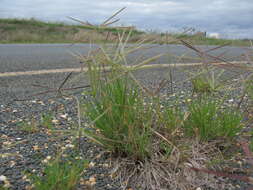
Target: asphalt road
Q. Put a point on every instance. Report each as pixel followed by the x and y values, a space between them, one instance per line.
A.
pixel 30 57
pixel 26 57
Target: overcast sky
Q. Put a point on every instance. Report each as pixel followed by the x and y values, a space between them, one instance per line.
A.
pixel 230 18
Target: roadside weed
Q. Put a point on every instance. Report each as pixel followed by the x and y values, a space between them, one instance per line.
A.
pixel 120 117
pixel 208 121
pixel 249 87
pixel 29 126
pixel 172 118
pixel 3 188
pixel 59 175
pixel 207 81
pixel 46 120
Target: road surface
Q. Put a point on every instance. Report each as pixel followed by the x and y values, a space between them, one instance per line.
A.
pixel 37 57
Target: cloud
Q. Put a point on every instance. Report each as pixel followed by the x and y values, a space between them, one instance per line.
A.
pixel 231 18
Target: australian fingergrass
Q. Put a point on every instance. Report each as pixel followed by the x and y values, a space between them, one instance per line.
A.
pixel 59 175
pixel 208 121
pixel 117 110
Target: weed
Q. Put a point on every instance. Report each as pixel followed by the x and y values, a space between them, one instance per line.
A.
pixel 59 175
pixel 207 82
pixel 172 118
pixel 29 126
pixel 46 120
pixel 249 87
pixel 116 105
pixel 3 188
pixel 118 113
pixel 208 121
pixel 166 149
pixel 201 85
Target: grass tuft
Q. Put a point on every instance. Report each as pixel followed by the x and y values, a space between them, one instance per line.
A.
pixel 208 121
pixel 117 112
pixel 59 175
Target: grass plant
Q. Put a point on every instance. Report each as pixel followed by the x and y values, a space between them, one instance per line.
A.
pixel 208 121
pixel 59 175
pixel 117 110
pixel 46 120
pixel 29 126
pixel 208 81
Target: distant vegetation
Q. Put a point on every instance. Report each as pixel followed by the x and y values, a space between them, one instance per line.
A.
pixel 35 31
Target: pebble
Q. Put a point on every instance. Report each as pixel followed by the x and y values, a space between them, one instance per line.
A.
pixel 3 178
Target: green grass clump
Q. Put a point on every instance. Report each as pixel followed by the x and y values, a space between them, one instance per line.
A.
pixel 118 113
pixel 59 175
pixel 3 188
pixel 46 120
pixel 29 126
pixel 208 121
pixel 249 87
pixel 172 118
pixel 116 107
pixel 201 85
pixel 208 81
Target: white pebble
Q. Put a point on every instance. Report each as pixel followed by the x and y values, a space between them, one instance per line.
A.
pixel 3 178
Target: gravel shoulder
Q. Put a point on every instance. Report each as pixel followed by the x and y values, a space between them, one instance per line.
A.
pixel 23 152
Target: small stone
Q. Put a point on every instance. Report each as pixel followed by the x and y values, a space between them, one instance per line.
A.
pixel 91 164
pixel 231 100
pixel 29 187
pixel 64 116
pixel 92 180
pixel 239 162
pixel 35 148
pixel 41 103
pixel 48 157
pixel 55 121
pixel 7 143
pixel 12 163
pixel 3 178
pixel 69 146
